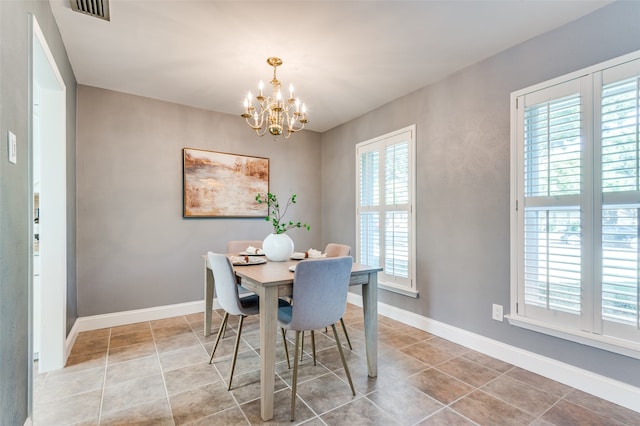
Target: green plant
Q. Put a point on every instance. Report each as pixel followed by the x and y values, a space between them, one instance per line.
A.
pixel 275 216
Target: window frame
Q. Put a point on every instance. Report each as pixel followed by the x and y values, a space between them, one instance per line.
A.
pixel 378 144
pixel 589 331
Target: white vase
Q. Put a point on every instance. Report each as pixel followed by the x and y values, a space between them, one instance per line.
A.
pixel 277 247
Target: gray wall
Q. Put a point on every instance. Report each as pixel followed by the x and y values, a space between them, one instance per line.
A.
pixel 135 250
pixel 463 180
pixel 14 198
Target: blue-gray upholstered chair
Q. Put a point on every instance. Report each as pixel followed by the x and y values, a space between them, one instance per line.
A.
pixel 319 300
pixel 338 250
pixel 229 299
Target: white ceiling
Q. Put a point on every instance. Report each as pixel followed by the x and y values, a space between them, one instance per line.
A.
pixel 344 58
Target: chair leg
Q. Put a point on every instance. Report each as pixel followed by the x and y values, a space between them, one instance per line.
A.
pixel 313 346
pixel 235 351
pixel 286 347
pixel 345 333
pixel 220 331
pixel 344 361
pixel 294 384
pixel 301 347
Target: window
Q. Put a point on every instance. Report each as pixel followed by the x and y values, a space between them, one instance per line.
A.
pixel 385 222
pixel 576 192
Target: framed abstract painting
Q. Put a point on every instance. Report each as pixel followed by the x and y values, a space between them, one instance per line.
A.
pixel 217 184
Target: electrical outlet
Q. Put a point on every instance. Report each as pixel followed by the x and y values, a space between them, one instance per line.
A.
pixel 496 312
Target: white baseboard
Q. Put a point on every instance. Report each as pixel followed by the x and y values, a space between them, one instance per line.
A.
pixel 115 319
pixel 606 388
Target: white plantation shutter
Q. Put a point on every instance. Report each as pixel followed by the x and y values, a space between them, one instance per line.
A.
pixel 552 178
pixel 620 159
pixel 575 223
pixel 384 208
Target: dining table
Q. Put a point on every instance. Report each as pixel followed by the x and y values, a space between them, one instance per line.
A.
pixel 271 280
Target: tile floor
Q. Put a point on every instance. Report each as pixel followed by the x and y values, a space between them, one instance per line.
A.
pixel 157 373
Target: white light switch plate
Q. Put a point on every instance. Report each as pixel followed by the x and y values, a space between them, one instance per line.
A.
pixel 13 147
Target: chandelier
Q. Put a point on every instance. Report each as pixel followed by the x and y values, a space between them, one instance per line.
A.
pixel 274 114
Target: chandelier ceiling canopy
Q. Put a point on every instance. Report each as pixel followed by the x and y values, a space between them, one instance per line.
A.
pixel 274 114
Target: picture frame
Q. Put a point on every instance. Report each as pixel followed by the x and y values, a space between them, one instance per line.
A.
pixel 219 184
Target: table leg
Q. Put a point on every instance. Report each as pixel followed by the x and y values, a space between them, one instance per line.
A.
pixel 370 308
pixel 268 328
pixel 208 298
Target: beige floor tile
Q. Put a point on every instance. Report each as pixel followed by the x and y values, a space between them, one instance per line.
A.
pixel 246 387
pixel 446 417
pixel 177 342
pixel 567 414
pixel 192 376
pixel 168 322
pixel 430 352
pixel 400 364
pixel 358 412
pixel 398 340
pixel 134 392
pixel 246 361
pixel 468 371
pixel 281 410
pixel 306 370
pixel 201 402
pixel 130 328
pixel 171 330
pixel 230 417
pixel 487 361
pixel 523 396
pixel 484 409
pixel 537 381
pixel 154 413
pixel 330 358
pixel 60 386
pixel 325 393
pixel 403 403
pixel 90 346
pixel 131 352
pixel 84 407
pixel 132 338
pixel 603 407
pixel 440 386
pixel 183 357
pixel 134 369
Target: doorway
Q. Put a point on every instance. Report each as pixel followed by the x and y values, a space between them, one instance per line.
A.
pixel 48 175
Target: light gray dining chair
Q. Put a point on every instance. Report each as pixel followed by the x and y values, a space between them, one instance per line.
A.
pixel 229 299
pixel 338 250
pixel 331 250
pixel 236 246
pixel 320 299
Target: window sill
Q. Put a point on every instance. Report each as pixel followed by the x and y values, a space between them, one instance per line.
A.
pixel 399 290
pixel 597 341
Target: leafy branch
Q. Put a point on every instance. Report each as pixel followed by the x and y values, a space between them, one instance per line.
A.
pixel 275 216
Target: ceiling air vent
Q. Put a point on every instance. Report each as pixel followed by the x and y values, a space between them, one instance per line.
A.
pixel 97 8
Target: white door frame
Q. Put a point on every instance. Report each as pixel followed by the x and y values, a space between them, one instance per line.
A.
pixel 47 87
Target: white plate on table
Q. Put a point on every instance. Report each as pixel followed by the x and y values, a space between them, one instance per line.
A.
pixel 258 253
pixel 302 256
pixel 247 261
